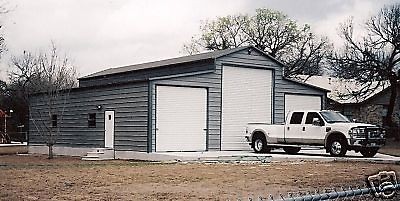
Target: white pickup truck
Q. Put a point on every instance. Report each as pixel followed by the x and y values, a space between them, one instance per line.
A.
pixel 330 129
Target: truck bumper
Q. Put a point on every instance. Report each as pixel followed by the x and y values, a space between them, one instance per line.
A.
pixel 358 144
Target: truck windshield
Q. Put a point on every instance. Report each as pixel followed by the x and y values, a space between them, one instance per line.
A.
pixel 334 117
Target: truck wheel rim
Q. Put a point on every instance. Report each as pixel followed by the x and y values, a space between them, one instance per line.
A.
pixel 259 145
pixel 336 148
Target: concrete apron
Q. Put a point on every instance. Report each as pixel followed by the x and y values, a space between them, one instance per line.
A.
pixel 276 155
pixel 209 156
pixel 221 156
pixel 13 148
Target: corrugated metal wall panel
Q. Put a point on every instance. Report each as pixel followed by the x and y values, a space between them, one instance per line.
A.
pixel 214 104
pixel 145 74
pixel 136 96
pixel 130 103
pixel 283 87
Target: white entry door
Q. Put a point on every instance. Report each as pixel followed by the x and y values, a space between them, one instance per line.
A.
pixel 246 98
pixel 181 118
pixel 109 129
pixel 302 102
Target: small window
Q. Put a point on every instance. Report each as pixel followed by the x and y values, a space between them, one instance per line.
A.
pixel 297 117
pixel 92 120
pixel 311 116
pixel 54 120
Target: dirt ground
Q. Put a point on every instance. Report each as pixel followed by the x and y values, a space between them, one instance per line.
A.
pixel 33 177
pixel 391 147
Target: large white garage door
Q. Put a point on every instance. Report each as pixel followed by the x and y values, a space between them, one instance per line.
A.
pixel 181 118
pixel 246 97
pixel 302 102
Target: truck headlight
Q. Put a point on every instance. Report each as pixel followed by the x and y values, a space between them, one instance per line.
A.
pixel 351 133
pixel 357 132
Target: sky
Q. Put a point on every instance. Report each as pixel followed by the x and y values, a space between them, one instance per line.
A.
pixel 100 34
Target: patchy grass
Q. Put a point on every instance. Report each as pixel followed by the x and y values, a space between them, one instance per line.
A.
pixel 66 178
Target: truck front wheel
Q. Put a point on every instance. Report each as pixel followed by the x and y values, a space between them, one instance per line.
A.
pixel 337 147
pixel 369 152
pixel 260 144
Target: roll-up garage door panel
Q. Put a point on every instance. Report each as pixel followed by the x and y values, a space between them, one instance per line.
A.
pixel 302 102
pixel 181 118
pixel 246 97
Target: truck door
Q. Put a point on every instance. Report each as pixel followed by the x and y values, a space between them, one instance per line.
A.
pixel 314 134
pixel 294 128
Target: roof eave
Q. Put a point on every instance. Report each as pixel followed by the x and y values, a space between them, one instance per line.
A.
pixel 119 73
pixel 305 84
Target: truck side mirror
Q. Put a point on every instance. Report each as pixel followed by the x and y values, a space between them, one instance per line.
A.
pixel 316 122
pixel 355 120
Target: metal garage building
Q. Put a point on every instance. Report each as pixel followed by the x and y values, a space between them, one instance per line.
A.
pixel 193 103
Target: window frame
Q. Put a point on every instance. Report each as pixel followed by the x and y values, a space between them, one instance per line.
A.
pixel 293 115
pixel 92 120
pixel 318 116
pixel 54 121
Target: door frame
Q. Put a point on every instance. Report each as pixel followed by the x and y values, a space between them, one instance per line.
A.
pixel 105 131
pixel 155 130
pixel 300 94
pixel 245 66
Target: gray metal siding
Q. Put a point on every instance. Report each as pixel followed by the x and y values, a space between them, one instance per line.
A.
pixel 281 86
pixel 288 87
pixel 130 103
pixel 146 74
pixel 212 82
pixel 254 60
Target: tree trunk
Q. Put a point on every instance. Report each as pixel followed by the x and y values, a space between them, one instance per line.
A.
pixel 50 151
pixel 390 111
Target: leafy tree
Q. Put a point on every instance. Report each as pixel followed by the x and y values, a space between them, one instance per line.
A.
pixel 272 32
pixel 373 57
pixel 50 75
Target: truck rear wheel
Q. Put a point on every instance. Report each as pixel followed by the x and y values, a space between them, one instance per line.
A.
pixel 292 150
pixel 260 144
pixel 371 152
pixel 337 147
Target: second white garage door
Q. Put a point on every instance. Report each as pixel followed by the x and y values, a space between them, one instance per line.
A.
pixel 181 118
pixel 246 97
pixel 302 102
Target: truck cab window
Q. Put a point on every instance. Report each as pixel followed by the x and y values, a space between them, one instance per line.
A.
pixel 297 117
pixel 311 116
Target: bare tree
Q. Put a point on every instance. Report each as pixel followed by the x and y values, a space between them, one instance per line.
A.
pixel 307 56
pixel 51 77
pixel 270 31
pixel 373 58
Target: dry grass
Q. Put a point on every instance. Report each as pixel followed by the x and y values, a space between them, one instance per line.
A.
pixel 66 178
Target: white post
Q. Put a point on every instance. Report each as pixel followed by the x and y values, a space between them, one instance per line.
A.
pixel 5 120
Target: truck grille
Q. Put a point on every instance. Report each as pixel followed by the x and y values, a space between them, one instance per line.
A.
pixel 360 135
pixel 373 132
